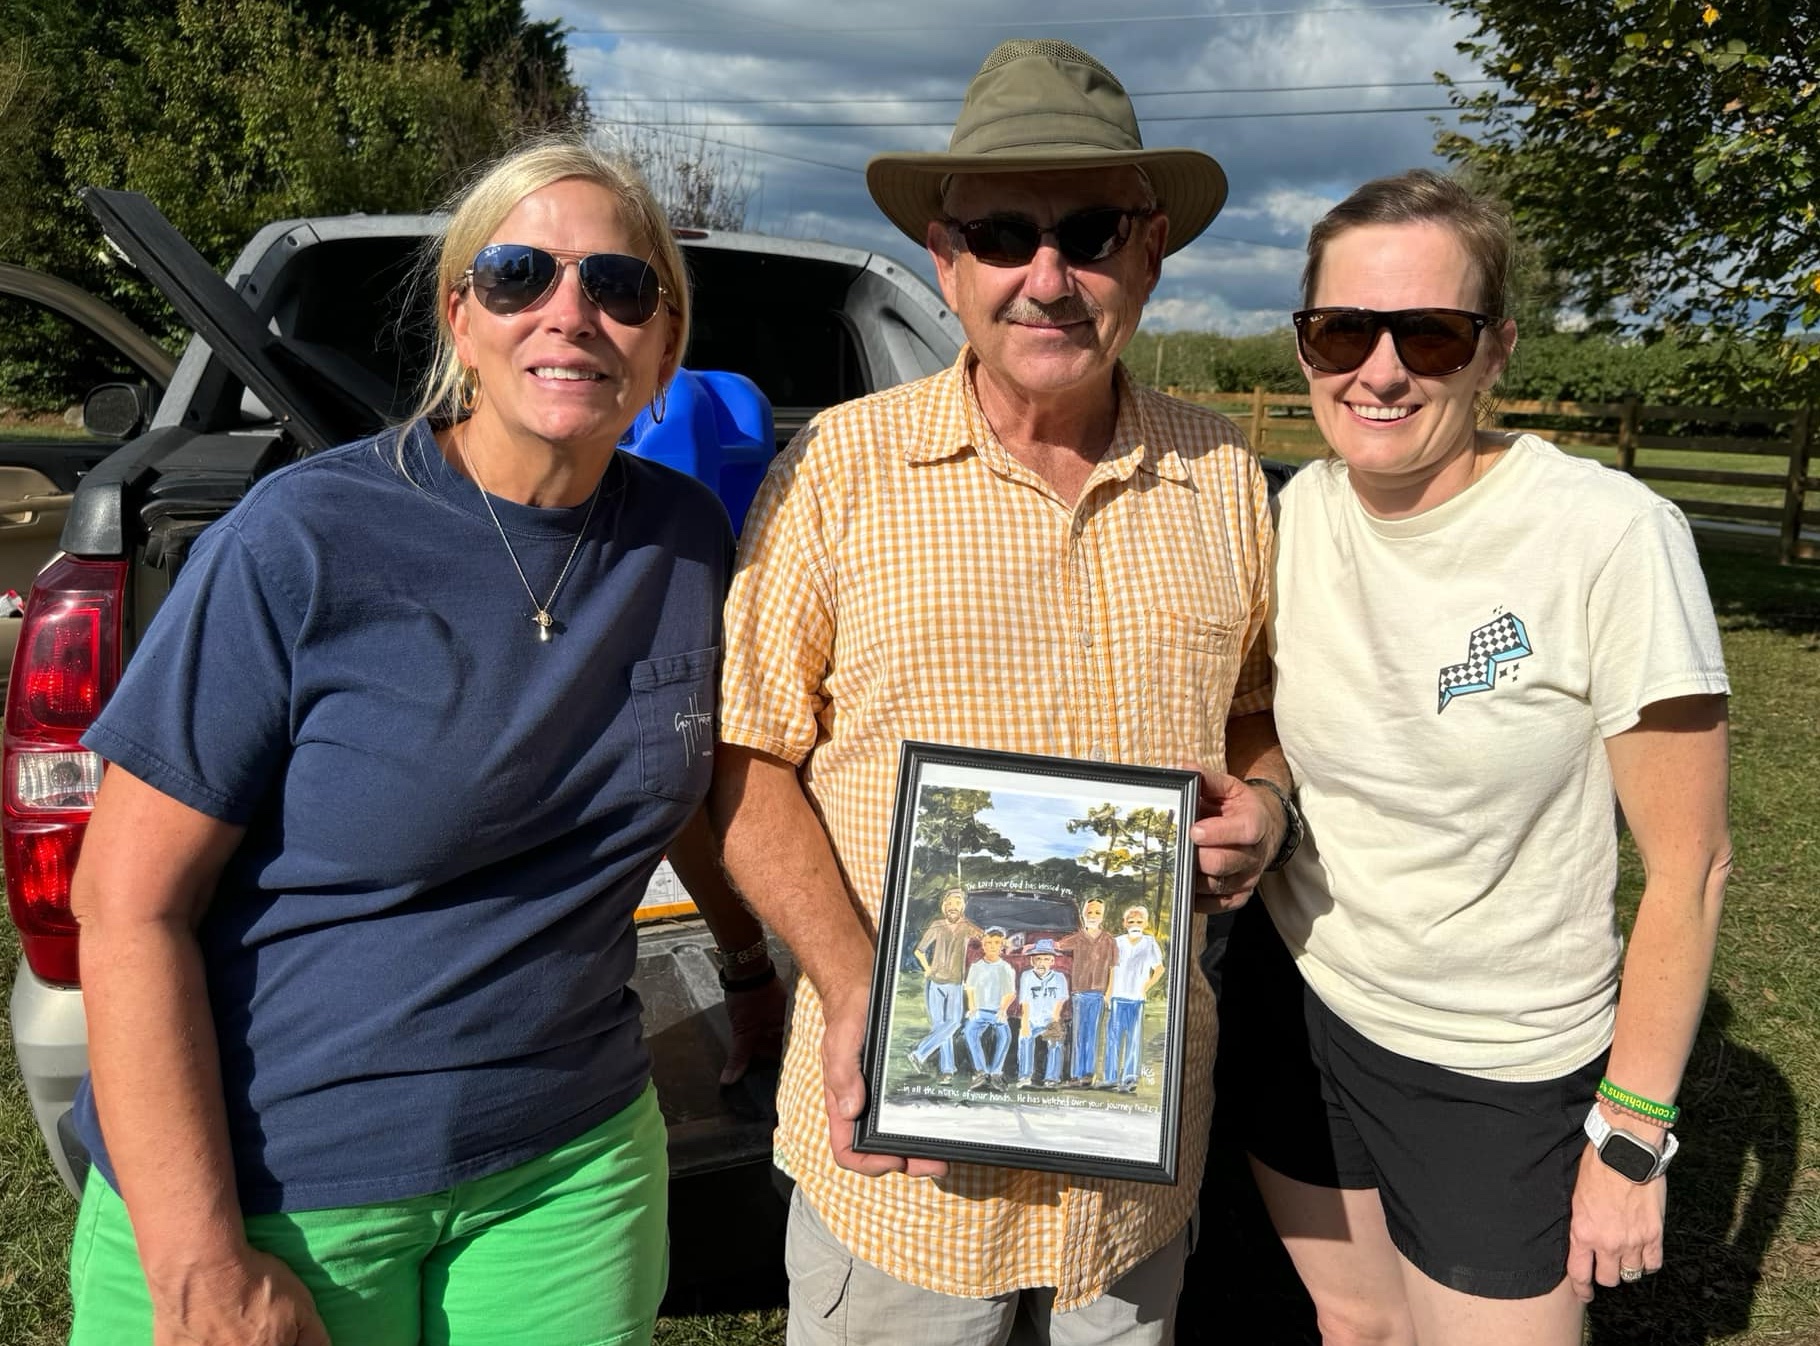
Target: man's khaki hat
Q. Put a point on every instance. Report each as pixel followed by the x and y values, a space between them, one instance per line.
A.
pixel 1039 105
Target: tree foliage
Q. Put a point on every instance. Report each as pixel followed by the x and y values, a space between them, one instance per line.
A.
pixel 1550 366
pixel 948 823
pixel 1662 153
pixel 230 114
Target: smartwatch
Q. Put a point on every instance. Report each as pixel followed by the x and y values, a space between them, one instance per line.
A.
pixel 1292 823
pixel 1636 1159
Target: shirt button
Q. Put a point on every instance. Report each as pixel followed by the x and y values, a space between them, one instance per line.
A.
pixel 1099 754
pixel 1086 640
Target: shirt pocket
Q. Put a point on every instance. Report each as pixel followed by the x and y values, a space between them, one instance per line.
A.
pixel 1191 665
pixel 675 700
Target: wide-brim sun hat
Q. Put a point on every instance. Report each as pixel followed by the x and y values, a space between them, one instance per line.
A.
pixel 1038 105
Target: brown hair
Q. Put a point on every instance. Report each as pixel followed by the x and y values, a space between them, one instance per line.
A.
pixel 1423 196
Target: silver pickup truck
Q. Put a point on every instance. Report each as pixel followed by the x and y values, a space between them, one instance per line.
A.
pixel 302 346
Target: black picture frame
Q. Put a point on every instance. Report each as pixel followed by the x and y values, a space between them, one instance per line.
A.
pixel 943 1087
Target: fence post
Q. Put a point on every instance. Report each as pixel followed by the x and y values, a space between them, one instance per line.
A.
pixel 1627 436
pixel 1156 380
pixel 1796 498
pixel 1257 418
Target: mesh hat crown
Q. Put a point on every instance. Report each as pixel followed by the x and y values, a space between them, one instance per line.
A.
pixel 1038 105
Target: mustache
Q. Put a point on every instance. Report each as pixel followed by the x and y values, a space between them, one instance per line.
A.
pixel 1068 308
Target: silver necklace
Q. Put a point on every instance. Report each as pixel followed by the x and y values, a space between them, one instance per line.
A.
pixel 540 611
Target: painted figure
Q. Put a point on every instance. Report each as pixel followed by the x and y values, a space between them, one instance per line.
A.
pixel 991 986
pixel 1042 992
pixel 942 954
pixel 1140 963
pixel 1092 950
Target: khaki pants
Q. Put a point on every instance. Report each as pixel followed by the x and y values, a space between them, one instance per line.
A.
pixel 838 1300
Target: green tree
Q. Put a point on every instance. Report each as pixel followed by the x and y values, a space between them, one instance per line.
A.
pixel 232 113
pixel 1106 823
pixel 1663 155
pixel 947 822
pixel 1151 834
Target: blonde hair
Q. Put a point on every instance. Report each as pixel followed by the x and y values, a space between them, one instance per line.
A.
pixel 475 212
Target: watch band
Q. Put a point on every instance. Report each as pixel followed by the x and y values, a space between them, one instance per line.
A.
pixel 737 963
pixel 1292 822
pixel 1601 1133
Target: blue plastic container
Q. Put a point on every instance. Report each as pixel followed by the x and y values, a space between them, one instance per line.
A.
pixel 716 427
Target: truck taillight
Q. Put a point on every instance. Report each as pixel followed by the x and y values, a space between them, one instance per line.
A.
pixel 65 669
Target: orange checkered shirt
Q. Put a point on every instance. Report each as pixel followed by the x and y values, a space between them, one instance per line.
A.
pixel 903 576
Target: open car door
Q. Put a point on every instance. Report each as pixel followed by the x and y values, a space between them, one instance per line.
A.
pixel 314 405
pixel 67 340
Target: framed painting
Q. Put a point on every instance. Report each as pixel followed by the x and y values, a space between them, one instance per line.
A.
pixel 1030 994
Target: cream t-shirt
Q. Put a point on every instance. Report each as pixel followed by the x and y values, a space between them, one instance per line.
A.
pixel 1444 687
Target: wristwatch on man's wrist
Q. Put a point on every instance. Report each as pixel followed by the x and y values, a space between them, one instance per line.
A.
pixel 1292 822
pixel 1629 1155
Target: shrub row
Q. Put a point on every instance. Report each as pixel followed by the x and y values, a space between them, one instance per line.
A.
pixel 1548 366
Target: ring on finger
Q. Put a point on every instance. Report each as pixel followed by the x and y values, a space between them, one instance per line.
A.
pixel 1628 1274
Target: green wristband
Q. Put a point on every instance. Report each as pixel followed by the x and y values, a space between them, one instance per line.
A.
pixel 1666 1113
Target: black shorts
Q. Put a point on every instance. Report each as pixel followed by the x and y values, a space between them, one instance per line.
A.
pixel 1476 1175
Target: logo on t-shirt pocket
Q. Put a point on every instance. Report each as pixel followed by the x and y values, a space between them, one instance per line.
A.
pixel 674 697
pixel 1492 650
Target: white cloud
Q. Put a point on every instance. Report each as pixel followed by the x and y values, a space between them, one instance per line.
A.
pixel 678 60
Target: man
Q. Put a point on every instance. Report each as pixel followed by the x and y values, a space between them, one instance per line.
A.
pixel 1140 963
pixel 991 987
pixel 1093 955
pixel 942 955
pixel 1041 994
pixel 1024 552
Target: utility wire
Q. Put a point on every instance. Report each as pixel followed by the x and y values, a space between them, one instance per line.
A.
pixel 729 144
pixel 1119 21
pixel 1148 121
pixel 955 98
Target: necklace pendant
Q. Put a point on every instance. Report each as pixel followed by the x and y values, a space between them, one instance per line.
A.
pixel 544 622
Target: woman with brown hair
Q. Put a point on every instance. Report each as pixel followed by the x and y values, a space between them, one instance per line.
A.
pixel 1458 1122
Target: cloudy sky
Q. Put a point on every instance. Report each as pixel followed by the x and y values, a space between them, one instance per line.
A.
pixel 865 76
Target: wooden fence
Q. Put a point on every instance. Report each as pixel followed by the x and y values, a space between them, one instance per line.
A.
pixel 1784 433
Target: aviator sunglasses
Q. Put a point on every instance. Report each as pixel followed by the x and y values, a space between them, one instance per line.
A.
pixel 1430 342
pixel 1083 237
pixel 511 277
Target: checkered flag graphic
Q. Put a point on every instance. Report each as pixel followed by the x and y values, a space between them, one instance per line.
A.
pixel 1500 641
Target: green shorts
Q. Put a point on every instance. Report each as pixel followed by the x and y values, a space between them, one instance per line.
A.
pixel 569 1249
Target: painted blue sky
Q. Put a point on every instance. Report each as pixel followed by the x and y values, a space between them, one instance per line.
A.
pixel 1037 820
pixel 1300 101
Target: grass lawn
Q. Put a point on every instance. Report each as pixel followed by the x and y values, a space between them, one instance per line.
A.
pixel 1744 1220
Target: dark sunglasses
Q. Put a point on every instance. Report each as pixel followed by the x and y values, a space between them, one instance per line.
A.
pixel 511 277
pixel 1083 237
pixel 1430 342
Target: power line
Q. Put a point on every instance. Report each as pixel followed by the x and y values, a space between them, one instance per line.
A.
pixel 1119 21
pixel 955 98
pixel 729 144
pixel 1149 121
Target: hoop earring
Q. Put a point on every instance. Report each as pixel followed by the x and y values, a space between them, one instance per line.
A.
pixel 660 403
pixel 467 389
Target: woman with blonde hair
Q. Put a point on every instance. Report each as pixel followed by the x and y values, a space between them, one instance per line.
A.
pixel 389 773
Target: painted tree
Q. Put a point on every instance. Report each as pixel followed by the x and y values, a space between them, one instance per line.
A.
pixel 948 823
pixel 1108 824
pixel 1663 155
pixel 1151 833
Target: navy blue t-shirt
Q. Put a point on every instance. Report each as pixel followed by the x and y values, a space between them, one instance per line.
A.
pixel 418 958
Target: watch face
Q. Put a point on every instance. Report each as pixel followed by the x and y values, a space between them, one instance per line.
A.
pixel 1631 1157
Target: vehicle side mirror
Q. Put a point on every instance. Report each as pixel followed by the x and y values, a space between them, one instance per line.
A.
pixel 116 410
